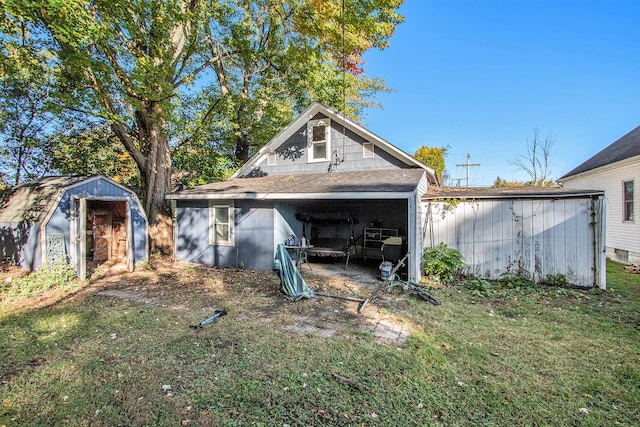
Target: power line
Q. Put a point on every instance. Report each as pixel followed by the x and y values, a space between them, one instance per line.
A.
pixel 468 166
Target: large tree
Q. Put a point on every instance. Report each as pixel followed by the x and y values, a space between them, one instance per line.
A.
pixel 240 68
pixel 433 157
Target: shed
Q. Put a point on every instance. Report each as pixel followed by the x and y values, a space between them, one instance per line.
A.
pixel 78 219
pixel 544 231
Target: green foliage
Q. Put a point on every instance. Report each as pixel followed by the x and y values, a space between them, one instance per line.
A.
pixel 93 150
pixel 432 157
pixel 480 287
pixel 558 280
pixel 444 262
pixel 516 279
pixel 59 275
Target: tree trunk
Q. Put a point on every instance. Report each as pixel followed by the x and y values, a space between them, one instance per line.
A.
pixel 156 182
pixel 242 149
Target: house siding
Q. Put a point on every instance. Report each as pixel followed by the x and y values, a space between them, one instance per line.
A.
pixel 620 235
pixel 253 244
pixel 542 236
pixel 291 155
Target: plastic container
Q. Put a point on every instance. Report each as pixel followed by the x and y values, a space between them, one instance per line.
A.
pixel 385 270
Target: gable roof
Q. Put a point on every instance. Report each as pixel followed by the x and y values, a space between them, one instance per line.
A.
pixel 311 112
pixel 624 148
pixel 387 183
pixel 32 201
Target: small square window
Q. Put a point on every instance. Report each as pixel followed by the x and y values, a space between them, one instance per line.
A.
pixel 271 158
pixel 368 150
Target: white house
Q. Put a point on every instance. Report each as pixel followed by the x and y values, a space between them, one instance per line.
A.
pixel 616 171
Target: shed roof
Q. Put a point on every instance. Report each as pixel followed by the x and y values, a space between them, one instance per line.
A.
pixel 525 192
pixel 624 148
pixel 385 183
pixel 31 202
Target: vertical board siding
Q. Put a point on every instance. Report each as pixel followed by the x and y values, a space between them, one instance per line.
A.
pixel 97 189
pixel 542 237
pixel 253 246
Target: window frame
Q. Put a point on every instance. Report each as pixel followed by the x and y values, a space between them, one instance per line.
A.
pixel 368 150
pixel 272 158
pixel 213 236
pixel 311 143
pixel 628 214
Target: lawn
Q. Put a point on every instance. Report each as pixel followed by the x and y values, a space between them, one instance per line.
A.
pixel 119 351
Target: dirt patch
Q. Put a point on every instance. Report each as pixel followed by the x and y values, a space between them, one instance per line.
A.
pixel 246 294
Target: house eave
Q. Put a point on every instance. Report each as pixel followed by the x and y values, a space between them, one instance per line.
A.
pixel 601 169
pixel 296 196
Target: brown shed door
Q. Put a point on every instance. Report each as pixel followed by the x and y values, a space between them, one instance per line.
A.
pixel 102 236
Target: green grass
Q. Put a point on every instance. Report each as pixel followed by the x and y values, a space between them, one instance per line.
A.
pixel 532 356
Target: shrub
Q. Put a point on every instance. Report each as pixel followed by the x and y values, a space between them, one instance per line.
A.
pixel 59 275
pixel 444 262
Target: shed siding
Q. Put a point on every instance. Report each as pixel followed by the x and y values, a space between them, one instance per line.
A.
pixel 253 246
pixel 620 234
pixel 100 189
pixel 543 237
pixel 291 155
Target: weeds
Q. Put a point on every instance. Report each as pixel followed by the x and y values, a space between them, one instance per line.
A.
pixel 444 262
pixel 59 275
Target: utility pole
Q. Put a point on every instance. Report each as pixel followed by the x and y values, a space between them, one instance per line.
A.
pixel 468 166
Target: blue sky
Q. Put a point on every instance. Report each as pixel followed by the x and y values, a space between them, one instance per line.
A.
pixel 479 76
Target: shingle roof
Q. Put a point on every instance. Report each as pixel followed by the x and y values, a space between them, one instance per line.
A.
pixel 505 193
pixel 31 202
pixel 624 148
pixel 386 181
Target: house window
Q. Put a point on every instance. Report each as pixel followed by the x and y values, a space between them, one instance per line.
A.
pixel 627 200
pixel 622 255
pixel 271 158
pixel 319 135
pixel 367 150
pixel 221 224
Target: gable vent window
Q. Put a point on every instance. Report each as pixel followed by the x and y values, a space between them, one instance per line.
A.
pixel 627 200
pixel 319 135
pixel 271 158
pixel 221 224
pixel 367 150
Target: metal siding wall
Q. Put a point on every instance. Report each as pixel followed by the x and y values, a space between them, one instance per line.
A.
pixel 544 237
pixel 192 239
pixel 254 235
pixel 59 221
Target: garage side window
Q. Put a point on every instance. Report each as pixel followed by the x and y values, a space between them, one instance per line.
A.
pixel 221 224
pixel 627 200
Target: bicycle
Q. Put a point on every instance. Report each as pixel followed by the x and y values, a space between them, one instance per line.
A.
pixel 415 288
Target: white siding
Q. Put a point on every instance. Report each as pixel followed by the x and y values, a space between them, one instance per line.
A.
pixel 543 237
pixel 619 234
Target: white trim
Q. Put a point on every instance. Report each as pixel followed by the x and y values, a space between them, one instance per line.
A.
pixel 296 196
pixel 603 168
pixel 311 112
pixel 625 201
pixel 272 158
pixel 368 150
pixel 230 241
pixel 311 124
